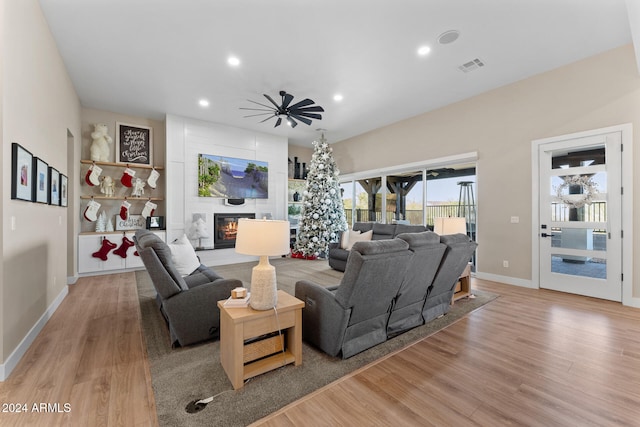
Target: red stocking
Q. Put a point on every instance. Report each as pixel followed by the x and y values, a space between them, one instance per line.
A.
pixel 122 250
pixel 104 250
pixel 127 177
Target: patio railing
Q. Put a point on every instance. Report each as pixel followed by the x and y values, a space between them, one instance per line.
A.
pixel 594 212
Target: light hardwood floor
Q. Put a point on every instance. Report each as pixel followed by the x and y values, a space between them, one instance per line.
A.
pixel 532 357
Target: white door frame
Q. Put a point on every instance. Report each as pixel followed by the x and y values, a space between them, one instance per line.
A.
pixel 627 205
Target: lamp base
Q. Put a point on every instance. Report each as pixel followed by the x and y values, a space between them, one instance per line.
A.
pixel 264 289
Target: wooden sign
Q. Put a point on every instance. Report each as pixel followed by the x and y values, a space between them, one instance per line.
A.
pixel 134 144
pixel 133 222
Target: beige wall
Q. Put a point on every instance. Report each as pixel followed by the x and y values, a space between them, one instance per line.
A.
pixel 302 153
pixel 594 93
pixel 40 107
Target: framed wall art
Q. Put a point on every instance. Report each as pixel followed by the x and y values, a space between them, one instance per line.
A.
pixel 134 144
pixel 21 173
pixel 40 181
pixel 64 197
pixel 54 186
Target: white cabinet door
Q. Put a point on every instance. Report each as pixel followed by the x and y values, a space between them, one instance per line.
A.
pixel 90 244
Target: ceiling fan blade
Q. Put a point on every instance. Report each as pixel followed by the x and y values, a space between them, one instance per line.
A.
pixel 259 114
pixel 292 122
pixel 272 101
pixel 286 100
pixel 262 105
pixel 302 119
pixel 278 122
pixel 302 103
pixel 310 115
pixel 315 108
pixel 257 109
pixel 268 118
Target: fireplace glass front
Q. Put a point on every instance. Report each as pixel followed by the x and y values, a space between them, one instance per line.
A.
pixel 226 228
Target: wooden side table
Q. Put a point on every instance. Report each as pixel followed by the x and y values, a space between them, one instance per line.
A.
pixel 237 325
pixel 463 286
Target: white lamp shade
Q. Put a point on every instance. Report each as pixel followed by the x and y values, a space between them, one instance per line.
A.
pixel 262 237
pixel 449 225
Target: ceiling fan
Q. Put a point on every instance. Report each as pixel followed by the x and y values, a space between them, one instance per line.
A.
pixel 302 111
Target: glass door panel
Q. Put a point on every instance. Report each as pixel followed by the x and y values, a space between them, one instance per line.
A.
pixel 577 190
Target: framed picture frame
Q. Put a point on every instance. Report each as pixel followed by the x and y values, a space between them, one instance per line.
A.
pixel 40 181
pixel 64 191
pixel 155 223
pixel 21 173
pixel 54 186
pixel 134 144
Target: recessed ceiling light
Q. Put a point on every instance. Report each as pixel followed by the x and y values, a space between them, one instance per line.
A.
pixel 338 97
pixel 424 50
pixel 203 103
pixel 448 37
pixel 233 61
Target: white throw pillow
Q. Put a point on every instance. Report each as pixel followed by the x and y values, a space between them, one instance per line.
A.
pixel 360 237
pixel 184 256
pixel 344 241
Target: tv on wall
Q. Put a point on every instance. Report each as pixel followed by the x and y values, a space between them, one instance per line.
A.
pixel 232 178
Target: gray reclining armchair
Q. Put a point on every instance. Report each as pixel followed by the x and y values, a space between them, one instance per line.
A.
pixel 456 257
pixel 352 317
pixel 188 304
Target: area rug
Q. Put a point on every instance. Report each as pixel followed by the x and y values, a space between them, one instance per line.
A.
pixel 182 375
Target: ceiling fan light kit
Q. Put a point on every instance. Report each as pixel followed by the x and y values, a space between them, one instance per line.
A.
pixel 302 111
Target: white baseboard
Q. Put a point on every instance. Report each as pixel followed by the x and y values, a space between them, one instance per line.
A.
pixel 524 283
pixel 12 361
pixel 631 302
pixel 71 280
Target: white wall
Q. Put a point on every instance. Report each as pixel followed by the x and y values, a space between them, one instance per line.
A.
pixel 186 138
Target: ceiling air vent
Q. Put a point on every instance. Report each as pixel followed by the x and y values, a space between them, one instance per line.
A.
pixel 471 65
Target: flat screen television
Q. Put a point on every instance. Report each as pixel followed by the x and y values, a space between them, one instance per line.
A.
pixel 232 178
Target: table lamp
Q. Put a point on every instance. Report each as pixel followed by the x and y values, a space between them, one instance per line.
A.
pixel 263 238
pixel 450 225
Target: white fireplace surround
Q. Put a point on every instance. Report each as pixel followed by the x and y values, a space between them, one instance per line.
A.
pixel 186 138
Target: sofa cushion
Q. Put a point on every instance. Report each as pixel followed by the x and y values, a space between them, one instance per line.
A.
pixel 383 231
pixel 408 228
pixel 150 240
pixel 363 226
pixel 201 276
pixel 380 246
pixel 419 240
pixel 184 256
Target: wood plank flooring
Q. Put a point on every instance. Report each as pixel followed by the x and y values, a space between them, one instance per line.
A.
pixel 90 357
pixel 531 358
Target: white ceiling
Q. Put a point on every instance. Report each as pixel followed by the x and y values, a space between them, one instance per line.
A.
pixel 154 57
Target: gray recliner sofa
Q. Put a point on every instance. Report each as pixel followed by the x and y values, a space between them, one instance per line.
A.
pixel 404 282
pixel 188 304
pixel 352 317
pixel 338 256
pixel 427 255
pixel 458 252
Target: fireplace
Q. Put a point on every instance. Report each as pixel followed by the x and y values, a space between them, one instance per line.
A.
pixel 225 227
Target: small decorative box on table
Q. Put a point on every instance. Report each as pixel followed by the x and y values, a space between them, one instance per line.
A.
pixel 241 356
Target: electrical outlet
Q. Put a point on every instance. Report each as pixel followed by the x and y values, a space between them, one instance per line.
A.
pixel 515 219
pixel 505 263
pixel 13 223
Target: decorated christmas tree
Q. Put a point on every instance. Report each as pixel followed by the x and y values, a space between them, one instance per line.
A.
pixel 322 215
